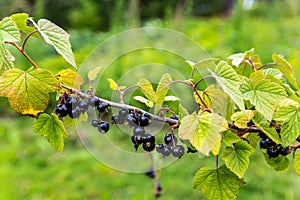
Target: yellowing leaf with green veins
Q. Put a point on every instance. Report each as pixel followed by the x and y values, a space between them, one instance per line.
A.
pixel 290 129
pixel 27 91
pixel 279 164
pixel 6 59
pixel 203 131
pixel 21 21
pixel 261 123
pixel 230 82
pixel 241 118
pixel 147 102
pixel 56 37
pixel 263 95
pixel 162 88
pixel 221 183
pixel 50 127
pixel 253 139
pixel 236 157
pixel 9 31
pixel 92 74
pixel 70 78
pixel 216 149
pixel 147 89
pixel 230 137
pixel 286 69
pixel 171 98
pixel 297 163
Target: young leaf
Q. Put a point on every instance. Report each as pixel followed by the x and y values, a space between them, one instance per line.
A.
pixel 163 88
pixel 236 157
pixel 70 78
pixel 221 183
pixel 202 131
pixel 21 21
pixel 263 95
pixel 241 118
pixel 27 91
pixel 297 163
pixel 147 89
pixel 230 82
pixel 290 129
pixel 206 63
pixel 279 164
pixel 112 84
pixel 236 59
pixel 6 59
pixel 261 123
pixel 148 103
pixel 92 75
pixel 56 37
pixel 9 31
pixel 286 69
pixel 50 127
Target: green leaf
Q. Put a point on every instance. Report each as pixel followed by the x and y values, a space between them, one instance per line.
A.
pixel 230 82
pixel 50 127
pixel 271 71
pixel 182 111
pixel 229 137
pixel 92 74
pixel 21 21
pixel 163 88
pixel 56 37
pixel 202 130
pixel 221 183
pixel 290 129
pixel 261 123
pixel 297 163
pixel 9 31
pixel 6 59
pixel 242 118
pixel 279 164
pixel 27 91
pixel 147 89
pixel 263 95
pixel 206 63
pixel 147 102
pixel 253 139
pixel 236 59
pixel 70 78
pixel 171 98
pixel 236 157
pixel 286 69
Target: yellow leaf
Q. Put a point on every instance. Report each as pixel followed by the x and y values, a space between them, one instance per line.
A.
pixel 70 78
pixel 112 84
pixel 94 73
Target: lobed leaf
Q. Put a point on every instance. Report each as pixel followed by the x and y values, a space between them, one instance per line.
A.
pixel 27 91
pixel 279 164
pixel 6 59
pixel 21 21
pixel 9 31
pixel 242 118
pixel 236 157
pixel 50 127
pixel 221 183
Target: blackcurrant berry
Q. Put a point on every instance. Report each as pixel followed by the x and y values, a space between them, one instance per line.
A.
pixel 62 110
pixel 169 139
pixel 145 119
pixel 262 144
pixel 136 146
pixel 148 146
pixel 94 101
pixel 136 139
pixel 148 138
pixel 75 113
pixel 284 151
pixel 131 120
pixel 102 107
pixel 159 187
pixel 166 151
pixel 71 102
pixel 83 106
pixel 150 173
pixel 138 130
pixel 178 151
pixel 262 135
pixel 123 113
pixel 95 122
pixel 103 127
pixel 270 143
pixel 159 148
pixel 273 153
pixel 175 117
pixel 116 119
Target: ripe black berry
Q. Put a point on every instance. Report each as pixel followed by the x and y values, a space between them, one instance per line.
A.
pixel 62 110
pixel 136 146
pixel 102 107
pixel 148 146
pixel 136 139
pixel 123 113
pixel 262 144
pixel 71 102
pixel 131 120
pixel 270 143
pixel 116 119
pixel 273 153
pixel 166 151
pixel 262 135
pixel 95 122
pixel 94 101
pixel 145 119
pixel 169 139
pixel 175 117
pixel 159 148
pixel 284 151
pixel 148 138
pixel 83 106
pixel 103 127
pixel 75 113
pixel 178 151
pixel 138 130
pixel 150 173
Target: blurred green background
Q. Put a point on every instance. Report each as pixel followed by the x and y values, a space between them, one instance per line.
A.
pixel 31 169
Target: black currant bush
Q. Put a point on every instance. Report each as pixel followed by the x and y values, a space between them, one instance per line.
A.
pixel 248 104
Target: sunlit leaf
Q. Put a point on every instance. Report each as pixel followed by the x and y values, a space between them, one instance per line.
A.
pixel 297 163
pixel 112 84
pixel 21 21
pixel 92 74
pixel 147 89
pixel 171 98
pixel 279 164
pixel 221 183
pixel 163 88
pixel 50 127
pixel 144 100
pixel 206 63
pixel 229 137
pixel 6 59
pixel 241 118
pixel 9 31
pixel 70 78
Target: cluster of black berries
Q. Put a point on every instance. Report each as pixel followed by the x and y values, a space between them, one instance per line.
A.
pixel 138 121
pixel 170 146
pixel 273 149
pixel 71 106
